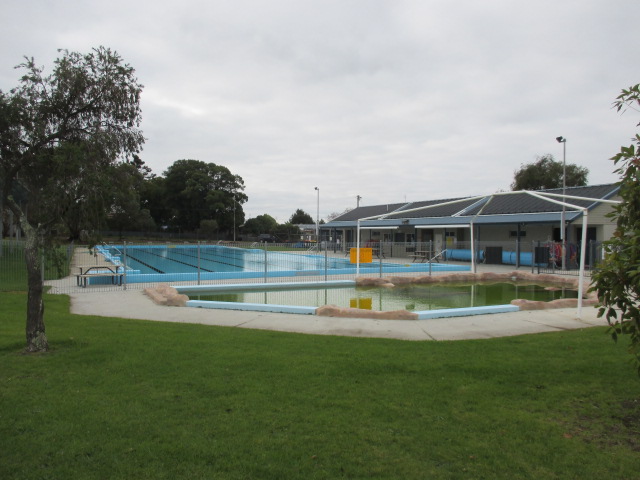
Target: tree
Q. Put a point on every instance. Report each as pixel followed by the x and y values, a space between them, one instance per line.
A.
pixel 198 191
pixel 261 224
pixel 208 228
pixel 287 231
pixel 301 217
pixel 154 199
pixel 334 215
pixel 617 279
pixel 125 212
pixel 61 133
pixel 546 173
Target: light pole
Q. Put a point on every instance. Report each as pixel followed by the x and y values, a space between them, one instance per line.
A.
pixel 563 141
pixel 318 219
pixel 234 219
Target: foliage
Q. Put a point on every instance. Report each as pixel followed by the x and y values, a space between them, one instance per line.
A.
pixel 196 191
pixel 125 212
pixel 153 199
pixel 208 227
pixel 287 231
pixel 617 280
pixel 260 224
pixel 546 173
pixel 61 136
pixel 301 217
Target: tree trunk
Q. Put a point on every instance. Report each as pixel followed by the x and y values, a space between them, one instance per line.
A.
pixel 36 338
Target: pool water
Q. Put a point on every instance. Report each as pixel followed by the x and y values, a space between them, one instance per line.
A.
pixel 182 263
pixel 409 297
pixel 215 258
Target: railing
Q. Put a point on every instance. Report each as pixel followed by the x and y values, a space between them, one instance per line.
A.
pixel 553 257
pixel 135 266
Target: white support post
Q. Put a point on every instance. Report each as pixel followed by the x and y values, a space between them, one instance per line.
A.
pixel 358 251
pixel 473 249
pixel 583 251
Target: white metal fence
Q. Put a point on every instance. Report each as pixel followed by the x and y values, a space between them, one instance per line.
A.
pixel 135 266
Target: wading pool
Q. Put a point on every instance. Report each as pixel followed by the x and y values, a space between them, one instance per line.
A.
pixel 427 301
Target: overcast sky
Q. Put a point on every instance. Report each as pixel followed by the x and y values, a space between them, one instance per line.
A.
pixel 390 100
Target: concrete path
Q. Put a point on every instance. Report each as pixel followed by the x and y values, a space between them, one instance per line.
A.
pixel 136 305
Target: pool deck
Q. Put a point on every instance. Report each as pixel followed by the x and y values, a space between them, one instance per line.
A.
pixel 135 304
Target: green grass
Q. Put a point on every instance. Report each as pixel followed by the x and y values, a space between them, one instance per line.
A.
pixel 13 271
pixel 123 399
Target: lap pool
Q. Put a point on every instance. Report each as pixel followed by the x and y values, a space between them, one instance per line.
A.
pixel 185 263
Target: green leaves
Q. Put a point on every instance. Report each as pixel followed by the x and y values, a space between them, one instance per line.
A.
pixel 60 135
pixel 618 279
pixel 547 173
pixel 198 191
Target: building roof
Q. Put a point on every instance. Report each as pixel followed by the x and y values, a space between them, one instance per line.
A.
pixel 514 207
pixel 368 211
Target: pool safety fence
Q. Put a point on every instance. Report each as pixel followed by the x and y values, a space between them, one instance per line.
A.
pixel 54 264
pixel 564 258
pixel 73 267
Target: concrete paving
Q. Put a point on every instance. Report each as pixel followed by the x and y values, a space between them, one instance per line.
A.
pixel 136 305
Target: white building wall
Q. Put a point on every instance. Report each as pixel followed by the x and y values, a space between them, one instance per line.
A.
pixel 605 226
pixel 502 233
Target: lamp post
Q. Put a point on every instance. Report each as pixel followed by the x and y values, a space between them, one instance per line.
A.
pixel 234 219
pixel 318 219
pixel 563 141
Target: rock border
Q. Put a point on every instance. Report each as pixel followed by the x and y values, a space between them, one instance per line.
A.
pixel 164 294
pixel 552 281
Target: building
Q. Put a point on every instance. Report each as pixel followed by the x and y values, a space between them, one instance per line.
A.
pixel 502 218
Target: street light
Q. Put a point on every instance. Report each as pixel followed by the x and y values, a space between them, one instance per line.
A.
pixel 563 141
pixel 318 218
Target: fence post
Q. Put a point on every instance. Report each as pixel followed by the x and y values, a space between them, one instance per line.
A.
pixel 326 264
pixel 380 261
pixel 124 262
pixel 533 256
pixel 198 262
pixel 265 262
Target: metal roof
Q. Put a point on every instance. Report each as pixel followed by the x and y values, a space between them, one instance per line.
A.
pixel 514 208
pixel 368 211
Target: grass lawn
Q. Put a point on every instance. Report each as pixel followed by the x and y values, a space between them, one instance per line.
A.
pixel 123 399
pixel 13 271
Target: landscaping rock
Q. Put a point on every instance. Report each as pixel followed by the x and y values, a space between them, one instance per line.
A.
pixel 164 294
pixel 335 311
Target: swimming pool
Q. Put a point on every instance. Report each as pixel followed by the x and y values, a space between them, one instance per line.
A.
pixel 409 297
pixel 175 263
pixel 426 301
